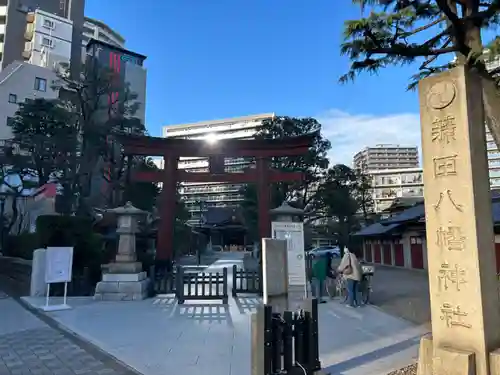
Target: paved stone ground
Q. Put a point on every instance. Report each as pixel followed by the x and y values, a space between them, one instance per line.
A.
pixel 402 293
pixel 33 345
pixel 206 337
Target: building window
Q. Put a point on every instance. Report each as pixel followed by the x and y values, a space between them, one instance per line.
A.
pixel 47 42
pixel 13 98
pixel 48 24
pixel 40 84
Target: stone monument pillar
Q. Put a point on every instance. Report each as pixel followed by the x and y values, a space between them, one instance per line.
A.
pixel 274 274
pixel 124 279
pixel 465 305
pixel 287 224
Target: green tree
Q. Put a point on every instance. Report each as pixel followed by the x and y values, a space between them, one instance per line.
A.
pixel 313 165
pixel 400 32
pixel 143 195
pixel 102 110
pixel 336 201
pixel 363 193
pixel 72 140
pixel 46 132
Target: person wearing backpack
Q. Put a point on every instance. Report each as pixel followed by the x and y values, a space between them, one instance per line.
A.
pixel 319 273
pixel 352 271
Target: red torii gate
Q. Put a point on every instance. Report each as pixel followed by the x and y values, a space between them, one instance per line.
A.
pixel 171 149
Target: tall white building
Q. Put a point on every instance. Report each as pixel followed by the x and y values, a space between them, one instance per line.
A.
pixel 198 196
pixel 48 39
pixel 389 184
pixel 386 156
pixel 98 30
pixel 16 14
pixel 493 161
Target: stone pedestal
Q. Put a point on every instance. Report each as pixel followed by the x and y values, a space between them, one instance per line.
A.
pixel 124 279
pixel 460 241
pixel 122 287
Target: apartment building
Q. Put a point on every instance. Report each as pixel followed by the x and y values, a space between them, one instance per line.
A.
pixel 199 196
pixel 98 30
pixel 389 184
pixel 48 39
pixel 21 81
pixel 386 156
pixel 493 161
pixel 15 15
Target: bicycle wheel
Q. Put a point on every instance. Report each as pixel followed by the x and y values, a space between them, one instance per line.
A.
pixel 366 290
pixel 327 289
pixel 341 289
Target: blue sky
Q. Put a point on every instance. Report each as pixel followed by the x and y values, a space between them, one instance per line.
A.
pixel 225 58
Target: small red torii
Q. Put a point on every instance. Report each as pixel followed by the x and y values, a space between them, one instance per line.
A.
pixel 171 149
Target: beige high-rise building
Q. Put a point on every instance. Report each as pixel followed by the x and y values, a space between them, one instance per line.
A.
pixel 386 156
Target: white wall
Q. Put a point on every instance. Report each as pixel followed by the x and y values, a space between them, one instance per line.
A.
pixel 60 36
pixel 19 79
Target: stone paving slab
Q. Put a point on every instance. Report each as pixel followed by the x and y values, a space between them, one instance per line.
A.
pixel 159 337
pixel 28 346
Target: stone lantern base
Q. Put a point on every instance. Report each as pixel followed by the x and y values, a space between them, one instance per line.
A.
pixel 122 282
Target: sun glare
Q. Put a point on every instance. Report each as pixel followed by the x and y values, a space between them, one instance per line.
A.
pixel 211 138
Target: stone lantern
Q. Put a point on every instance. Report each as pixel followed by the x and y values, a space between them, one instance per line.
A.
pixel 286 213
pixel 124 279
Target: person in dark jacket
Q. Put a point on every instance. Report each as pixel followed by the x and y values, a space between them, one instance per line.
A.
pixel 319 272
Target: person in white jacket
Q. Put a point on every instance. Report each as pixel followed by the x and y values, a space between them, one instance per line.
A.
pixel 353 273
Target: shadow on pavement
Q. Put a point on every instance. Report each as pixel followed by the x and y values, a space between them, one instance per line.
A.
pixel 205 312
pixel 247 304
pixel 339 368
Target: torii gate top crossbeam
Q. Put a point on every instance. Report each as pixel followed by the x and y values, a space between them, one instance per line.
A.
pixel 155 146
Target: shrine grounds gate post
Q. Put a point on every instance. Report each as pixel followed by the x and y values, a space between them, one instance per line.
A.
pixel 463 285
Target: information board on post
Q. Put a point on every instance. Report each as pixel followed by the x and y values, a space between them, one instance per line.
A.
pixel 58 269
pixel 58 265
pixel 293 233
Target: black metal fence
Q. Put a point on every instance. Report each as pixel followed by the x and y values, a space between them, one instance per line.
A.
pixel 201 286
pixel 291 342
pixel 245 281
pixel 162 281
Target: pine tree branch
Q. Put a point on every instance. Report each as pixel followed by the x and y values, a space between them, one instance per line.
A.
pixel 411 51
pixel 425 27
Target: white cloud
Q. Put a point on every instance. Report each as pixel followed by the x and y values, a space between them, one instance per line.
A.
pixel 349 133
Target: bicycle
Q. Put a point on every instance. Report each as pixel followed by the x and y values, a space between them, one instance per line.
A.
pixel 341 288
pixel 366 288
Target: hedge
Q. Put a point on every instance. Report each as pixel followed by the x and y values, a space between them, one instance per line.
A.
pixel 74 231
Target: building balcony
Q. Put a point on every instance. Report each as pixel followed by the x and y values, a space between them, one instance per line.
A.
pixel 27 55
pixel 28 35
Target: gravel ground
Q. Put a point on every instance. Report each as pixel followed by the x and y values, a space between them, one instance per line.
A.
pixel 408 370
